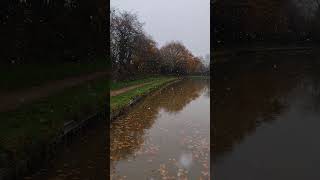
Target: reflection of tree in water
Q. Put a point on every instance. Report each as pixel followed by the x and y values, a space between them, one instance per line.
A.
pixel 176 97
pixel 127 132
pixel 245 101
pixel 207 94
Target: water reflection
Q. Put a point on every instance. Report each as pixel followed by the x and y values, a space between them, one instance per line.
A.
pixel 152 139
pixel 236 103
pixel 264 119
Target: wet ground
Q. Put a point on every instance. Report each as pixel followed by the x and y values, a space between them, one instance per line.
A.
pixel 267 119
pixel 165 136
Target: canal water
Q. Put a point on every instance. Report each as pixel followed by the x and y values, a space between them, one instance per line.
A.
pixel 165 136
pixel 266 118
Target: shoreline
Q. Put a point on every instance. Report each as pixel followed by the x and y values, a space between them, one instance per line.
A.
pixel 125 109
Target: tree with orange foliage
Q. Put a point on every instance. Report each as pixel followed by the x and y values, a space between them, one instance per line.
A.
pixel 133 52
pixel 177 59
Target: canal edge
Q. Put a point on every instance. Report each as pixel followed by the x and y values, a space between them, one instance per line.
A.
pixel 124 110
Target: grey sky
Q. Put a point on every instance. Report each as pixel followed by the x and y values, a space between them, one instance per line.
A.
pixel 187 21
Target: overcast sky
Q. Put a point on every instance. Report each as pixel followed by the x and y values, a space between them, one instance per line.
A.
pixel 187 21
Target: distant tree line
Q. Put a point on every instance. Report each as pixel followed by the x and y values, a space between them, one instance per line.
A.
pixel 134 52
pixel 52 30
pixel 266 21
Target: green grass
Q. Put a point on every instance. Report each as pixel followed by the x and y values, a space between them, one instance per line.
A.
pixel 122 100
pixel 122 84
pixel 39 122
pixel 21 76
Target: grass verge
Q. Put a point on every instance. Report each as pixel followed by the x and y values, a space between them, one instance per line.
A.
pixel 122 84
pixel 120 101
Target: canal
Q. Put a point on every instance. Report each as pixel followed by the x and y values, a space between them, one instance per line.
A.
pixel 266 118
pixel 165 136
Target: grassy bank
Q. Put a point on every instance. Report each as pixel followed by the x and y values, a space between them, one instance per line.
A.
pixel 120 101
pixel 37 123
pixel 123 84
pixel 21 76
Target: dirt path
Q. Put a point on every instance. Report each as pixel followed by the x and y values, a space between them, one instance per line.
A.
pixel 123 90
pixel 10 101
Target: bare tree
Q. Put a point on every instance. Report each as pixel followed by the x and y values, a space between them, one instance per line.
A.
pixel 146 55
pixel 174 55
pixel 176 58
pixel 133 52
pixel 125 29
